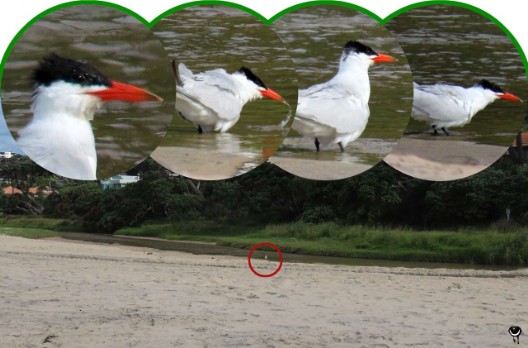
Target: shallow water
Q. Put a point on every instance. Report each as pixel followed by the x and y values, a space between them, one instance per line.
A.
pixel 200 248
pixel 316 36
pixel 120 47
pixel 210 37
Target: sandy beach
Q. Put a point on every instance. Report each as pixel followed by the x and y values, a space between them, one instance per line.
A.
pixel 58 293
pixel 441 158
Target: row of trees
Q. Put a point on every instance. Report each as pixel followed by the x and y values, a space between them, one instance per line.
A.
pixel 381 196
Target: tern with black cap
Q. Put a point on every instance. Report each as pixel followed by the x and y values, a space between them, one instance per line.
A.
pixel 67 92
pixel 444 106
pixel 337 111
pixel 213 100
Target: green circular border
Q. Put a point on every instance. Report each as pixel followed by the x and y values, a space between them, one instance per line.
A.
pixel 264 20
pixel 59 7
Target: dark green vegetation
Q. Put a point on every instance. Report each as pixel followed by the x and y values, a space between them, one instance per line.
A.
pixel 379 214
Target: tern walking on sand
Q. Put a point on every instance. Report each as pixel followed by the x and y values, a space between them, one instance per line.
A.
pixel 66 94
pixel 337 111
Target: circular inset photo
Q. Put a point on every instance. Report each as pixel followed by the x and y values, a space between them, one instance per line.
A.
pixel 468 83
pixel 7 143
pixel 236 89
pixel 355 92
pixel 83 90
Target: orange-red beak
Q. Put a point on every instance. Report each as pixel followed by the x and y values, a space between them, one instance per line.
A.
pixel 384 58
pixel 509 96
pixel 271 94
pixel 124 92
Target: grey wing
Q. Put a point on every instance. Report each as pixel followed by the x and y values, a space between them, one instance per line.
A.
pixel 214 89
pixel 332 107
pixel 438 103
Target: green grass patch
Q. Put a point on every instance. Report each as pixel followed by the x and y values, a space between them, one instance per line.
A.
pixel 39 222
pixel 193 229
pixel 489 246
pixel 32 233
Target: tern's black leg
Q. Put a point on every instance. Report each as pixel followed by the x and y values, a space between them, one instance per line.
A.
pixel 434 130
pixel 341 147
pixel 316 142
pixel 200 130
pixel 445 131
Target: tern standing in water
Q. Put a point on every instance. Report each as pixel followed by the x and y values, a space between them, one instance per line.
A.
pixel 337 111
pixel 444 106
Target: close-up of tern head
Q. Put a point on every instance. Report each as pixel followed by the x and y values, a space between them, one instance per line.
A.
pixel 357 53
pixel 67 92
pixel 337 111
pixel 213 100
pixel 444 106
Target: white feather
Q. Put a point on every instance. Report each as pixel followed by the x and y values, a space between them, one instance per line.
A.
pixel 213 100
pixel 59 137
pixel 337 111
pixel 445 106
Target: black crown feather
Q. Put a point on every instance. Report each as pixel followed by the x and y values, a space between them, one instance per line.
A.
pixel 252 77
pixel 491 86
pixel 55 68
pixel 358 47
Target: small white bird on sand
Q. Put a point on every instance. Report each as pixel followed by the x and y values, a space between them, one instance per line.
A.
pixel 444 106
pixel 213 99
pixel 59 137
pixel 337 111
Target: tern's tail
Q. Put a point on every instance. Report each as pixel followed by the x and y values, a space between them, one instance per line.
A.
pixel 176 74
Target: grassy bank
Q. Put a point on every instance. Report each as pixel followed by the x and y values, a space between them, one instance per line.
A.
pixel 32 227
pixel 493 246
pixel 38 222
pixel 32 233
pixel 473 246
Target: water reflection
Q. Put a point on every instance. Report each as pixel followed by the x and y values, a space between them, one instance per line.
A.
pixel 448 44
pixel 214 156
pixel 316 36
pixel 211 37
pixel 120 47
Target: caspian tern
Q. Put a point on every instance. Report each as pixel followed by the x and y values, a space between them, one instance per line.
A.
pixel 444 106
pixel 337 111
pixel 213 100
pixel 66 94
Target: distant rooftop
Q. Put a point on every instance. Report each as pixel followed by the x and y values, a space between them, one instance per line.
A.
pixel 118 181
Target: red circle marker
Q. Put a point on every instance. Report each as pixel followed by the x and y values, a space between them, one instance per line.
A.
pixel 255 248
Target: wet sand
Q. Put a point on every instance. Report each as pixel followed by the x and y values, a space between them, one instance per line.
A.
pixel 442 159
pixel 329 163
pixel 319 169
pixel 201 164
pixel 91 295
